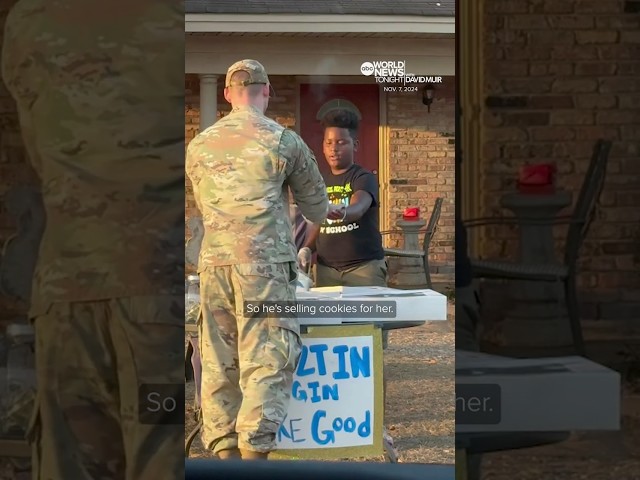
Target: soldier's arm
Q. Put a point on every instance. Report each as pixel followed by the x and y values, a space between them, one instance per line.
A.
pixel 304 178
pixel 312 236
pixel 190 170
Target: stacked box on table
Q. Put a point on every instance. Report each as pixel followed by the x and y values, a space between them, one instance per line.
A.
pixel 500 394
pixel 410 305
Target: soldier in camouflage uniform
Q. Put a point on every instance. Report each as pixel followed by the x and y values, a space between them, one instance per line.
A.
pixel 240 169
pixel 99 91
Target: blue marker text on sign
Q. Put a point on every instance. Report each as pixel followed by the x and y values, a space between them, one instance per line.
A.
pixel 332 395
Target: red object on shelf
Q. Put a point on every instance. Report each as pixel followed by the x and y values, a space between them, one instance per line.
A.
pixel 411 213
pixel 537 179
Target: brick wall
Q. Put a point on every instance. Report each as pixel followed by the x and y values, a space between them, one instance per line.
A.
pixel 421 148
pixel 14 170
pixel 559 75
pixel 422 156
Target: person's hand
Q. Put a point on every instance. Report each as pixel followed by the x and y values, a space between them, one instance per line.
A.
pixel 304 258
pixel 337 212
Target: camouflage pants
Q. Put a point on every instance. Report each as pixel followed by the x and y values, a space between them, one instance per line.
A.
pixel 247 361
pixel 91 359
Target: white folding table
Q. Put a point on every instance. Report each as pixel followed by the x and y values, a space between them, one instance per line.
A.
pixel 412 308
pixel 506 403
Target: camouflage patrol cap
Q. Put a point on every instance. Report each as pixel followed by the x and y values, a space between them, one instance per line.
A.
pixel 255 70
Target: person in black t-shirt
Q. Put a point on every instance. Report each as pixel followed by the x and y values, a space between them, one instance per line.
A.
pixel 349 246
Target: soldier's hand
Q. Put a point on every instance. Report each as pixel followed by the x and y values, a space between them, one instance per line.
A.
pixel 304 258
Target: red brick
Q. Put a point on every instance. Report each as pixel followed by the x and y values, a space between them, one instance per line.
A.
pixel 550 101
pixel 492 119
pixel 546 134
pixel 596 68
pixel 629 100
pixel 597 36
pixel 493 85
pixel 535 150
pixel 598 6
pixel 630 37
pixel 574 52
pixel 619 52
pixel 563 166
pixel 626 148
pixel 507 6
pixel 629 68
pixel 527 22
pixel 597 100
pixel 555 69
pixel 552 6
pixel 506 37
pixel 573 22
pixel 630 132
pixel 575 85
pixel 619 85
pixel 527 52
pixel 622 214
pixel 508 134
pixel 594 133
pixel 556 37
pixel 495 53
pixel 529 85
pixel 575 117
pixel 618 22
pixel 502 69
pixel 631 166
pixel 618 117
pixel 628 199
pixel 526 118
pixel 494 22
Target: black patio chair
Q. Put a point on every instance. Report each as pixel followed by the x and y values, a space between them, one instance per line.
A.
pixel 429 233
pixel 579 223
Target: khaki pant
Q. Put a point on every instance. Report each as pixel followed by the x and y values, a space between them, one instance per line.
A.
pixel 248 361
pixel 368 274
pixel 372 273
pixel 92 361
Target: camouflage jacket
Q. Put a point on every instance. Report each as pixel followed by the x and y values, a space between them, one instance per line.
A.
pixel 241 169
pixel 101 113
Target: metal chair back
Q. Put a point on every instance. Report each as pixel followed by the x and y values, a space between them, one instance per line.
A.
pixel 588 198
pixel 432 226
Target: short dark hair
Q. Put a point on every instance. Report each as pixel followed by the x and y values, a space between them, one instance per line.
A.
pixel 241 76
pixel 342 119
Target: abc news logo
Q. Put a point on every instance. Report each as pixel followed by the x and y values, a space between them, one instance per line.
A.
pixel 383 69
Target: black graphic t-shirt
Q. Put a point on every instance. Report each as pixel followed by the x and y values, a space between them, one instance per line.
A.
pixel 343 245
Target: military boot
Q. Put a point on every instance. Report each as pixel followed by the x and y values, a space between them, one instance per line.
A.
pixel 251 455
pixel 230 454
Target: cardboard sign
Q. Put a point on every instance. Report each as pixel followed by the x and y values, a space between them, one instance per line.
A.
pixel 336 406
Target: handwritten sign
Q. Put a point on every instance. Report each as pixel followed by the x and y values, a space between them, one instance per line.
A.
pixel 336 405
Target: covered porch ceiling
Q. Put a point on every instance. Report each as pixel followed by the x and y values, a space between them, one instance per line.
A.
pixel 320 53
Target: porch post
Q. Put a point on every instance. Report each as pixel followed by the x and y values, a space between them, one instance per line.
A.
pixel 208 100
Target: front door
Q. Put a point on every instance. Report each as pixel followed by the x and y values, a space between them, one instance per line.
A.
pixel 366 100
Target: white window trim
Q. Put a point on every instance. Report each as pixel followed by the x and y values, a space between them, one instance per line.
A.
pixel 303 23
